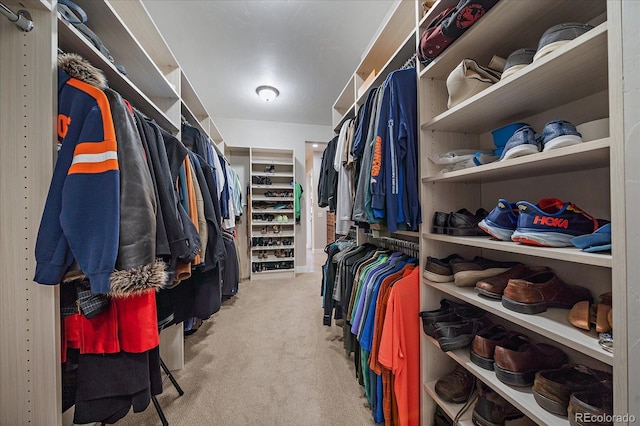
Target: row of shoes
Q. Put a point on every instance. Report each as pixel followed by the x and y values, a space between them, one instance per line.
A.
pixel 274 229
pixel 460 386
pixel 271 266
pixel 549 223
pixel 555 134
pixel 279 253
pixel 470 78
pixel 516 360
pixel 268 242
pixel 278 194
pixel 270 169
pixel 526 290
pixel 270 217
pixel 262 180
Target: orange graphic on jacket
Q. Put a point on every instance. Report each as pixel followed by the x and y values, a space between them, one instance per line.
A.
pixel 377 158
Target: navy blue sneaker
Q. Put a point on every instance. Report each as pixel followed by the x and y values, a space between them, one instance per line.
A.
pixel 552 223
pixel 523 142
pixel 559 133
pixel 502 220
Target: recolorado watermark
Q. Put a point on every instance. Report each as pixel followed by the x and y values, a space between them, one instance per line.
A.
pixel 604 418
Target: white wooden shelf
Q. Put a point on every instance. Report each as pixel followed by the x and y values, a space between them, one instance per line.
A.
pixel 70 40
pixel 273 186
pixel 583 156
pixel 269 162
pixel 521 397
pixel 273 271
pixel 277 174
pixel 500 31
pixel 272 259
pixel 573 71
pixel 260 248
pixel 351 113
pixel 274 199
pixel 397 60
pixel 435 10
pixel 273 222
pixel 127 50
pixel 552 324
pixel 273 235
pixel 569 254
pixel 271 211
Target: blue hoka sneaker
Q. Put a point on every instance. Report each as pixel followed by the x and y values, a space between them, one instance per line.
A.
pixel 502 220
pixel 551 223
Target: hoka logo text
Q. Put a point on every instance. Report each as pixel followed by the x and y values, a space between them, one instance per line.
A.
pixel 554 222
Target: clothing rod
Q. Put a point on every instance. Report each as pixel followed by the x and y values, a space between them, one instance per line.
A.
pixel 21 19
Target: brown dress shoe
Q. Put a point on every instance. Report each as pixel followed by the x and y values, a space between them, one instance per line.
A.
pixel 517 360
pixel 553 388
pixel 456 386
pixel 591 408
pixel 541 291
pixel 484 345
pixel 493 287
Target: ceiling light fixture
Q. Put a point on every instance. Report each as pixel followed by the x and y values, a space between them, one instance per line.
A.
pixel 267 93
pixel 315 145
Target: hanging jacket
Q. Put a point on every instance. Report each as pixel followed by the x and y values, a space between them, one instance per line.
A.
pixel 85 186
pixel 136 268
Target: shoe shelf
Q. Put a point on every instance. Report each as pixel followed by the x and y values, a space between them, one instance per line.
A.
pixel 500 31
pixel 274 199
pixel 552 324
pixel 277 174
pixel 257 211
pixel 260 248
pixel 583 156
pixel 273 271
pixel 70 40
pixel 573 71
pixel 520 397
pixel 268 162
pixel 450 408
pixel 273 222
pixel 569 254
pixel 273 186
pixel 271 259
pixel 272 234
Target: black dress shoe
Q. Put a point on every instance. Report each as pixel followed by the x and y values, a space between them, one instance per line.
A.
pixel 449 311
pixel 440 223
pixel 458 334
pixel 465 223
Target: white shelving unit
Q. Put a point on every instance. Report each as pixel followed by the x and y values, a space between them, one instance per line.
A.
pixel 272 177
pixel 573 83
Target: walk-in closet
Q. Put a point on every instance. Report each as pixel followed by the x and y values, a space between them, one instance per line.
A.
pixel 397 212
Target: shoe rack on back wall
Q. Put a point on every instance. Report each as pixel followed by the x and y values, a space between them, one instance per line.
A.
pixel 271 213
pixel 577 82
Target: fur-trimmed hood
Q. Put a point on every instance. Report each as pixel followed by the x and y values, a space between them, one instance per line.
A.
pixel 78 67
pixel 129 282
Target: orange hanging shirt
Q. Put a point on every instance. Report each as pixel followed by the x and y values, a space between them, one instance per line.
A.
pixel 400 346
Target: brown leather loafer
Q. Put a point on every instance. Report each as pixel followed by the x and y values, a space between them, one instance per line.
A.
pixel 591 408
pixel 492 409
pixel 493 287
pixel 456 386
pixel 553 388
pixel 541 291
pixel 484 345
pixel 517 360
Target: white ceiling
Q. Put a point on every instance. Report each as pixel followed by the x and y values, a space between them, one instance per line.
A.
pixel 307 49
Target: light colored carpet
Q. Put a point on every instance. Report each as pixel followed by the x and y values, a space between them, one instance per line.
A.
pixel 265 359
